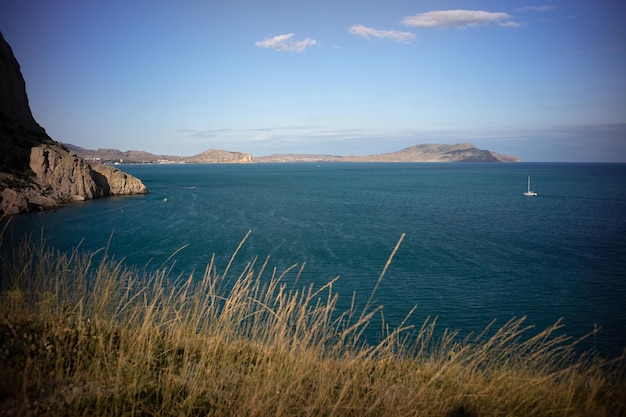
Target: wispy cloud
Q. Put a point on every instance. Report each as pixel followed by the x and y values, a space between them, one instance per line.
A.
pixel 277 128
pixel 536 9
pixel 394 35
pixel 285 43
pixel 459 19
pixel 204 133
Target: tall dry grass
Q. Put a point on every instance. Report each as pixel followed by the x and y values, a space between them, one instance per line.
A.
pixel 86 337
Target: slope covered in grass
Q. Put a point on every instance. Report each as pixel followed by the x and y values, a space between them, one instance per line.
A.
pixel 86 337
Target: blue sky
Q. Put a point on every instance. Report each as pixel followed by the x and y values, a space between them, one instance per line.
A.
pixel 540 80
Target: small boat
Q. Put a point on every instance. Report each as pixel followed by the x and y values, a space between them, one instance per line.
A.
pixel 530 193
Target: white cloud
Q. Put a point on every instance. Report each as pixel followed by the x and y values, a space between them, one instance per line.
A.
pixel 395 35
pixel 536 9
pixel 286 43
pixel 458 19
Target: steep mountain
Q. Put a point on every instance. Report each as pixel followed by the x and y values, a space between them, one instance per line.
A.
pixel 35 171
pixel 19 131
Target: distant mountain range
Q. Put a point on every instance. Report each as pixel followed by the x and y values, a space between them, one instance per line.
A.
pixel 115 156
pixel 462 152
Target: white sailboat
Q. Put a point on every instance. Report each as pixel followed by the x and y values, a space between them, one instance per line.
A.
pixel 530 193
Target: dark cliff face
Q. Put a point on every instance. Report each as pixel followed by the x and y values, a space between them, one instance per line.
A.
pixel 19 131
pixel 36 172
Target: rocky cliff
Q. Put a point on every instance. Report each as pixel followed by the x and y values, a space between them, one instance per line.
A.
pixel 61 177
pixel 35 171
pixel 112 181
pixel 18 129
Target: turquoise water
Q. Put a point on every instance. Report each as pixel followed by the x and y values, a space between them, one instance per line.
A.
pixel 475 248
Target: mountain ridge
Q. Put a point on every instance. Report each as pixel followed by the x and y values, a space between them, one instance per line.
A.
pixel 460 152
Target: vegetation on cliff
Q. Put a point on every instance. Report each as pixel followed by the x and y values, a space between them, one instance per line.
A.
pixel 81 334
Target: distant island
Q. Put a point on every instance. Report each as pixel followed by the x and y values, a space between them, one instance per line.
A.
pixel 462 152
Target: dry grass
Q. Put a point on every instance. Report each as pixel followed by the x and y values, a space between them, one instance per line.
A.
pixel 80 337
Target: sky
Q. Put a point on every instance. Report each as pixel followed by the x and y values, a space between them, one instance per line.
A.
pixel 539 79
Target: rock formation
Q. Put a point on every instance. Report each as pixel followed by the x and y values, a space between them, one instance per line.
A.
pixel 35 171
pixel 112 181
pixel 70 177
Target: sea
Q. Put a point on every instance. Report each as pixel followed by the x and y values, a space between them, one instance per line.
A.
pixel 473 248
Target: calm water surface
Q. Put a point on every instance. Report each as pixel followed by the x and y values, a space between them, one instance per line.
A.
pixel 475 248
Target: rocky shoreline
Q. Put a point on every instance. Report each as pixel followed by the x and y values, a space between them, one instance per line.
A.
pixel 62 177
pixel 36 172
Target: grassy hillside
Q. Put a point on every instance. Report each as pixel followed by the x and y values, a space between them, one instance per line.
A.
pixel 86 337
